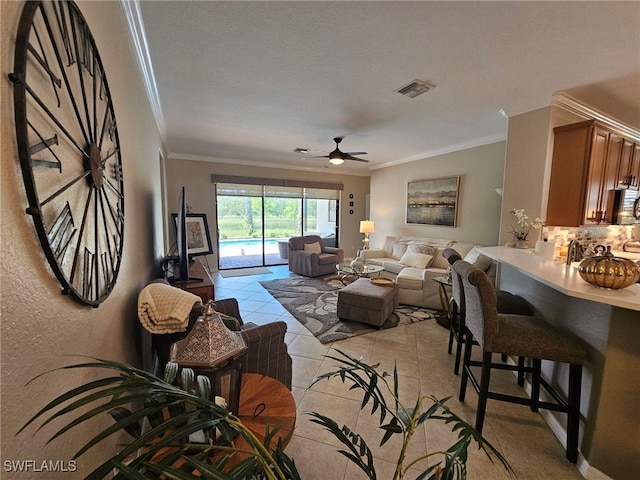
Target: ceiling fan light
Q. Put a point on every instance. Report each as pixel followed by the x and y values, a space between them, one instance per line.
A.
pixel 336 161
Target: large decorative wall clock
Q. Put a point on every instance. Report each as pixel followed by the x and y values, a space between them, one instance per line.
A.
pixel 69 150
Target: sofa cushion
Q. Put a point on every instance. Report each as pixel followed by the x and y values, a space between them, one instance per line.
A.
pixel 389 242
pixel 313 247
pixel 378 261
pixel 410 278
pixel 399 249
pixel 414 259
pixel 393 266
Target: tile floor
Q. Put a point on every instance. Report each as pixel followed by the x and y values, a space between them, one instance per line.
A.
pixel 419 351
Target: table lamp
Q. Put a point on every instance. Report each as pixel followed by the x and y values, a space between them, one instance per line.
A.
pixel 366 227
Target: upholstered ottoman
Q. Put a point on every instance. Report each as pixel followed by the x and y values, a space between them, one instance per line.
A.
pixel 362 301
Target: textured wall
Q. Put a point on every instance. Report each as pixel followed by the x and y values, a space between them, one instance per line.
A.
pixel 40 327
pixel 480 170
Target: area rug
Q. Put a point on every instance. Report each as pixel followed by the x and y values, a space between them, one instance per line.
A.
pixel 313 302
pixel 242 272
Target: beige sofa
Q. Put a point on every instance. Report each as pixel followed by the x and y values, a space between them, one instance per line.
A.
pixel 413 262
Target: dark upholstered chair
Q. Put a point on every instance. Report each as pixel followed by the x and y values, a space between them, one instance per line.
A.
pixel 309 256
pixel 507 303
pixel 267 351
pixel 522 336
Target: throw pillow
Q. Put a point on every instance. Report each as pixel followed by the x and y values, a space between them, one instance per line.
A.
pixel 417 260
pixel 476 258
pixel 422 248
pixel 439 261
pixel 313 247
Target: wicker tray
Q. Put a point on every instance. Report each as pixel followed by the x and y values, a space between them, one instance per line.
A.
pixel 386 282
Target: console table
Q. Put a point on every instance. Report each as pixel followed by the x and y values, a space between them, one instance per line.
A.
pixel 204 288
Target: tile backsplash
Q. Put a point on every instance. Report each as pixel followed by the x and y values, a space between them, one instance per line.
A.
pixel 614 235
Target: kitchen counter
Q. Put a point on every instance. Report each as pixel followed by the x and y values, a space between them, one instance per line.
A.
pixel 565 278
pixel 607 324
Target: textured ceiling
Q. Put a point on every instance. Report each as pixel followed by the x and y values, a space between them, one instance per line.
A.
pixel 251 81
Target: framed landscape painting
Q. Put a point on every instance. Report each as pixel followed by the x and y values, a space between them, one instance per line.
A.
pixel 433 201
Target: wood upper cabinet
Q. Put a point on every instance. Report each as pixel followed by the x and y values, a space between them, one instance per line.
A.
pixel 584 170
pixel 629 171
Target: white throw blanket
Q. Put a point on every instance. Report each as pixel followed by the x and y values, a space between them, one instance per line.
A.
pixel 165 309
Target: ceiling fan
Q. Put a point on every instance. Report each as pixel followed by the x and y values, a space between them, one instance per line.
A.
pixel 337 157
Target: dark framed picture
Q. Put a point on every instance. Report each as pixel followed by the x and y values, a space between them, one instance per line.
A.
pixel 198 238
pixel 433 201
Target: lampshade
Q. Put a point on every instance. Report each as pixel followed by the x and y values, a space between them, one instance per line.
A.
pixel 367 226
pixel 209 343
pixel 336 161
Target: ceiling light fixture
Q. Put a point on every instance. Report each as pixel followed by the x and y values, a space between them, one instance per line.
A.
pixel 336 161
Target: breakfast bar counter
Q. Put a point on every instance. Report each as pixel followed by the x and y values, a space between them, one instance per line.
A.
pixel 563 278
pixel 607 323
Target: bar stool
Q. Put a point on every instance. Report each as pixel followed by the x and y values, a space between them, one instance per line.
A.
pixel 522 336
pixel 507 303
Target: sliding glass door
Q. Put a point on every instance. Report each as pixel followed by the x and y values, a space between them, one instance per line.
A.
pixel 255 222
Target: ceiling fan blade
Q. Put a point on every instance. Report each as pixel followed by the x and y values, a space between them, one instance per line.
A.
pixel 349 157
pixel 318 156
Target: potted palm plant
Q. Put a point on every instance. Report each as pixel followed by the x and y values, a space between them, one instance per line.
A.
pixel 162 418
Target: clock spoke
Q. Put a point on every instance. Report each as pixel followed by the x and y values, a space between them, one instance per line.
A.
pixel 44 63
pixel 112 187
pixel 83 224
pixel 107 237
pixel 55 119
pixel 96 238
pixel 78 31
pixel 88 263
pixel 63 30
pixel 65 187
pixel 108 124
pixel 115 216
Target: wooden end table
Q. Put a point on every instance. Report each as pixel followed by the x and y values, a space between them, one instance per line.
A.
pixel 265 401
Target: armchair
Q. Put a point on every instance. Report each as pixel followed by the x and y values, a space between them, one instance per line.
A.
pixel 267 351
pixel 309 256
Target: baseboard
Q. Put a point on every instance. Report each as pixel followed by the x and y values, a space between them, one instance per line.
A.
pixel 560 432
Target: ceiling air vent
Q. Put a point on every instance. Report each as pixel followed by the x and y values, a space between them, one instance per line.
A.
pixel 415 88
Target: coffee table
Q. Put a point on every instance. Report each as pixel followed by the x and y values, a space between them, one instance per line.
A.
pixel 346 272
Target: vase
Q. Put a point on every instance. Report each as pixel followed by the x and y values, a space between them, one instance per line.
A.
pixel 357 265
pixel 522 244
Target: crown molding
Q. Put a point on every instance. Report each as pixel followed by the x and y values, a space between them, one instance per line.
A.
pixel 476 142
pixel 138 38
pixel 333 169
pixel 570 104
